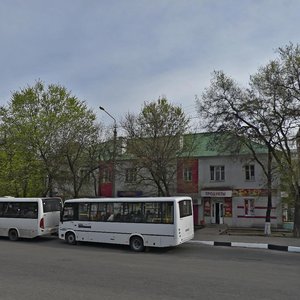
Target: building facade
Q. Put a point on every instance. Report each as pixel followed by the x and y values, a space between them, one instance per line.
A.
pixel 226 188
pixel 233 192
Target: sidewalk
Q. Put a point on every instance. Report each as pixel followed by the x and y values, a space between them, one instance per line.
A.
pixel 222 236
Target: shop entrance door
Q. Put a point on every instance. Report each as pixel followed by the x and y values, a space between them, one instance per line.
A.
pixel 217 213
pixel 196 214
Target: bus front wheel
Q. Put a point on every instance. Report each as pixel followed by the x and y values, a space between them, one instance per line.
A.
pixel 70 238
pixel 137 244
pixel 13 235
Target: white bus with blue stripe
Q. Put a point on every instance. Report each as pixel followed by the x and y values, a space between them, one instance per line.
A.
pixel 138 222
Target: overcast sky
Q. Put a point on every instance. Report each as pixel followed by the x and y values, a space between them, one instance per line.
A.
pixel 121 53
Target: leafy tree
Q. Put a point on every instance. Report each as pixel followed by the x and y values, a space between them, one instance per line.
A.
pixel 55 127
pixel 20 173
pixel 154 137
pixel 82 155
pixel 267 112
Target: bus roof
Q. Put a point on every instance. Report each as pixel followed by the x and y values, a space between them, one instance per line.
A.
pixel 131 199
pixel 25 199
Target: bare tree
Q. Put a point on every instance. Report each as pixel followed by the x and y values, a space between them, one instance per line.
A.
pixel 267 113
pixel 154 140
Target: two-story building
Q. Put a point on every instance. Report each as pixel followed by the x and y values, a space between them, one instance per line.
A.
pixel 226 187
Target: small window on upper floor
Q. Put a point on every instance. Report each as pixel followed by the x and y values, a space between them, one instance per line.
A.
pixel 250 172
pixel 130 175
pixel 106 176
pixel 85 174
pixel 187 174
pixel 217 173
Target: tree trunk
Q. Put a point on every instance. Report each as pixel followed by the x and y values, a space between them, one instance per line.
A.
pixel 268 214
pixel 50 186
pixel 267 230
pixel 296 230
pixel 269 206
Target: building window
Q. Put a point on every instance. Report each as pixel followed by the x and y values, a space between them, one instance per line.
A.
pixel 250 172
pixel 249 207
pixel 187 174
pixel 85 174
pixel 130 175
pixel 106 176
pixel 217 173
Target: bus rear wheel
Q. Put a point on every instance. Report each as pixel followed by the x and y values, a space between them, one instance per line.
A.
pixel 137 244
pixel 13 235
pixel 70 238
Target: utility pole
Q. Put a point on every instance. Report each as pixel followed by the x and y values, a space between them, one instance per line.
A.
pixel 113 175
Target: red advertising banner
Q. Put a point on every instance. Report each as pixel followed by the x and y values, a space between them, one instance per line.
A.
pixel 207 207
pixel 228 207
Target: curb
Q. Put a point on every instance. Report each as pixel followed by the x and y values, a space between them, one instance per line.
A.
pixel 249 245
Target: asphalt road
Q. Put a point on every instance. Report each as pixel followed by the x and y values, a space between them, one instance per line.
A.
pixel 47 268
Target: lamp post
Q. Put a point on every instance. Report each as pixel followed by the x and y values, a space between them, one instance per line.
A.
pixel 113 175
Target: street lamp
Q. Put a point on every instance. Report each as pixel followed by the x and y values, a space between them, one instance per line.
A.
pixel 113 175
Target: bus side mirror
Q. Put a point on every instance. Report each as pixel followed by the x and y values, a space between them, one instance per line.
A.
pixel 61 217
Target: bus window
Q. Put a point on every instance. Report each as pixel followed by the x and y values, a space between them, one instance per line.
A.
pixel 133 212
pixel 118 212
pixel 28 210
pixel 95 214
pixel 167 212
pixel 153 212
pixel 185 208
pixel 11 210
pixel 51 205
pixel 109 212
pixel 2 208
pixel 83 211
pixel 102 211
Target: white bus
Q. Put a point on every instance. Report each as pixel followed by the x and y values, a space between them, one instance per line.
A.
pixel 138 222
pixel 29 217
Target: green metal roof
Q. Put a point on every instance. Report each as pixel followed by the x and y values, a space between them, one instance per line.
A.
pixel 208 144
pixel 217 144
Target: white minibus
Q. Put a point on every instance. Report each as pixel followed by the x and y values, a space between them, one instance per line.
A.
pixel 29 217
pixel 138 222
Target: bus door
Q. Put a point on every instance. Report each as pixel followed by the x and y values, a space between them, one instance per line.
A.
pixel 51 214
